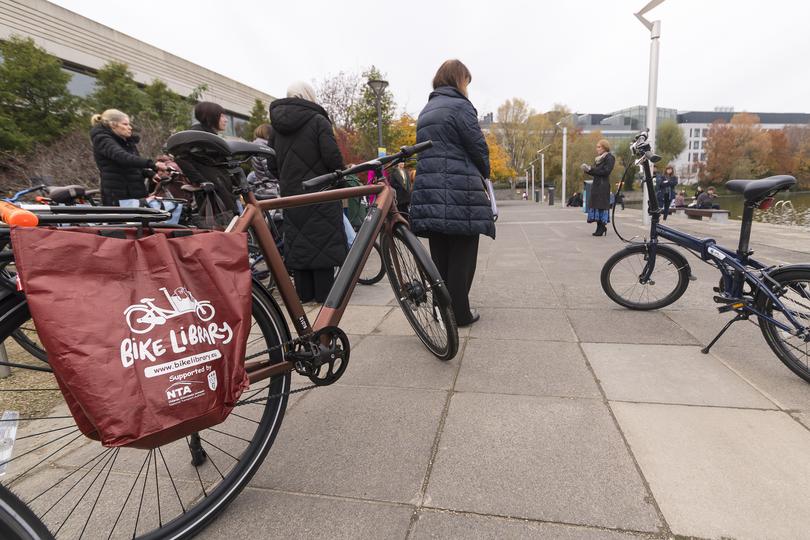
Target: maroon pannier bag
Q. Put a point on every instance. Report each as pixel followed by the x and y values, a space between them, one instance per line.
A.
pixel 146 335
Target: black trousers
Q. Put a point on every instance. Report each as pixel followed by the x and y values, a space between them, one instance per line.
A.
pixel 455 256
pixel 314 284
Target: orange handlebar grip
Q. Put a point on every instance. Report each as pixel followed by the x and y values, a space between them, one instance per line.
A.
pixel 14 215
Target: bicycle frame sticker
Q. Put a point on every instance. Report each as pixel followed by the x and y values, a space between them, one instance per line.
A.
pixel 713 251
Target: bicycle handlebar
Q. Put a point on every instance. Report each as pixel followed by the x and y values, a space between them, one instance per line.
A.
pixel 332 177
pixel 14 215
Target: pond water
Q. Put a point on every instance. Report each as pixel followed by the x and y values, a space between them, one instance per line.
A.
pixel 789 209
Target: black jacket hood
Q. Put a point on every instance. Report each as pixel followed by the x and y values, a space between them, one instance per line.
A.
pixel 288 115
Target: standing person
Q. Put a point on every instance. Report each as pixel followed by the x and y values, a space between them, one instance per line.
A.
pixel 211 119
pixel 666 184
pixel 315 241
pixel 401 183
pixel 116 154
pixel 599 200
pixel 260 164
pixel 449 204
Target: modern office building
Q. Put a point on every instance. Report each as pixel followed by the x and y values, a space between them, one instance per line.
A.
pixel 84 46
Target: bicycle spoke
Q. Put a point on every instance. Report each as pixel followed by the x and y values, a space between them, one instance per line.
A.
pixel 103 484
pixel 86 491
pixel 171 479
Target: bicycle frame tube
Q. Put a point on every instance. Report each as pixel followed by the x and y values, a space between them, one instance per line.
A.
pixel 335 305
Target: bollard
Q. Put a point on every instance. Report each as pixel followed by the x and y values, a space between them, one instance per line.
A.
pixel 551 195
pixel 5 371
pixel 537 195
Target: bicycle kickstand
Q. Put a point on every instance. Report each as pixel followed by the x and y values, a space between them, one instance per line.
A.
pixel 705 350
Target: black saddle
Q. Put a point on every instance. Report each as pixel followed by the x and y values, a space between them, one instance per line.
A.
pixel 755 190
pixel 66 194
pixel 203 144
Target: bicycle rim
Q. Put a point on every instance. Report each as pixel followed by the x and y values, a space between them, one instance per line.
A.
pixel 794 294
pixel 415 282
pixel 81 489
pixel 621 279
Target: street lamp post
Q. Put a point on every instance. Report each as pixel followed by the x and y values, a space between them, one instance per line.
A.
pixel 652 88
pixel 378 87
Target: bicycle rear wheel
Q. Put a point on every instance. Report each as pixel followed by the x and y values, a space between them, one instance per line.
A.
pixel 373 270
pixel 792 287
pixel 79 488
pixel 621 278
pixel 26 337
pixel 420 292
pixel 17 522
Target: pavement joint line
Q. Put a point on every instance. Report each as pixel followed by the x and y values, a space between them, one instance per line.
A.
pixel 665 530
pixel 643 534
pixel 328 496
pixel 549 396
pixel 434 450
pixel 695 405
pixel 390 387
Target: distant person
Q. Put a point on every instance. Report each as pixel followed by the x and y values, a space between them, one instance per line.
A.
pixel 116 154
pixel 525 196
pixel 665 189
pixel 599 199
pixel 315 239
pixel 706 200
pixel 575 199
pixel 680 199
pixel 211 119
pixel 449 204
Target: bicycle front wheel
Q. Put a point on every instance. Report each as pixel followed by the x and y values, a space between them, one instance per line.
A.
pixel 792 287
pixel 17 522
pixel 81 489
pixel 420 292
pixel 373 270
pixel 621 278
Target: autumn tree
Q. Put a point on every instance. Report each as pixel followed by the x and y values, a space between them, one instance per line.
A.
pixel 513 132
pixel 499 164
pixel 339 94
pixel 364 114
pixel 669 141
pixel 402 132
pixel 35 105
pixel 737 149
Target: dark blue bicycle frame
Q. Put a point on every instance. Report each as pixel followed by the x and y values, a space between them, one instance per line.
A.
pixel 737 267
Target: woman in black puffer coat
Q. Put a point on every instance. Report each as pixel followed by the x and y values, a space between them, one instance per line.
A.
pixel 117 158
pixel 305 145
pixel 449 205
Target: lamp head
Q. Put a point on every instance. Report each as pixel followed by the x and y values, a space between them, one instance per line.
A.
pixel 377 86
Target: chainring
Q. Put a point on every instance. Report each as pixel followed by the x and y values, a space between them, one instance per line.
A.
pixel 329 356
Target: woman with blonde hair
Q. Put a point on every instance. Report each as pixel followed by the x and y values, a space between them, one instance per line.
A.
pixel 116 154
pixel 599 198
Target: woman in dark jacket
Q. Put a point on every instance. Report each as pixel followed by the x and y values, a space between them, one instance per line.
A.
pixel 599 198
pixel 314 238
pixel 211 118
pixel 665 185
pixel 117 158
pixel 449 204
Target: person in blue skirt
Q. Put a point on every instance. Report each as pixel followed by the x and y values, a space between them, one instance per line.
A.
pixel 599 199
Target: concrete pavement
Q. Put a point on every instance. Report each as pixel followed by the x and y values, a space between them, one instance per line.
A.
pixel 563 415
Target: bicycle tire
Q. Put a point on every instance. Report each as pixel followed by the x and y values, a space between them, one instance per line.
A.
pixel 374 269
pixel 17 522
pixel 793 351
pixel 420 292
pixel 632 259
pixel 23 338
pixel 41 483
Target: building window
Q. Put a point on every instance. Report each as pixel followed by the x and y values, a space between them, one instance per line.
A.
pixel 80 84
pixel 705 132
pixel 703 156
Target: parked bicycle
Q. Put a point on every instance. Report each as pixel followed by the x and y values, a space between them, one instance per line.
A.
pixel 77 487
pixel 651 274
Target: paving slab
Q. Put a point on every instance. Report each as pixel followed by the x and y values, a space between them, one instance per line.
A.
pixel 379 294
pixel 669 374
pixel 400 361
pixel 395 324
pixel 436 524
pixel 266 514
pixel 369 443
pixel 525 367
pixel 522 323
pixel 627 326
pixel 550 459
pixel 719 472
pixel 362 319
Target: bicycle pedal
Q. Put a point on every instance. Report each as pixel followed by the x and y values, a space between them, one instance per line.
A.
pixel 727 300
pixel 716 289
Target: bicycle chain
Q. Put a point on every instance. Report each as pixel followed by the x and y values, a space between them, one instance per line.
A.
pixel 280 346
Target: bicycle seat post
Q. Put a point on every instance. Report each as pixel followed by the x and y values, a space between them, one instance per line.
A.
pixel 745 231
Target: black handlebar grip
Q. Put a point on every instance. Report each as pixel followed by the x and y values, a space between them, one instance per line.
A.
pixel 415 149
pixel 319 181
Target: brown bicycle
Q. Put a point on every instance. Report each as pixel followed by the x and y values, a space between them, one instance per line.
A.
pixel 81 489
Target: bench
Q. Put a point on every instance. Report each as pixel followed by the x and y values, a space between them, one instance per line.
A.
pixel 718 216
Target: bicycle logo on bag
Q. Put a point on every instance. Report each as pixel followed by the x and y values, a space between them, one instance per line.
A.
pixel 141 318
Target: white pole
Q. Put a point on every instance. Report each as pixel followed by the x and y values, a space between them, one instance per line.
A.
pixel 531 195
pixel 542 177
pixel 564 163
pixel 652 91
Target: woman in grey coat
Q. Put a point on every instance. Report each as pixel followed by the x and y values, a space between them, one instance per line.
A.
pixel 448 204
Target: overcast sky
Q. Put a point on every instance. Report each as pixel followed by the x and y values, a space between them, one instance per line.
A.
pixel 591 55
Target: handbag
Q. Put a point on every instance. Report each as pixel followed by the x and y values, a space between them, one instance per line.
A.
pixel 490 191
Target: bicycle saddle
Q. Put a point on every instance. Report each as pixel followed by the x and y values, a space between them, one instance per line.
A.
pixel 754 190
pixel 65 194
pixel 244 148
pixel 198 143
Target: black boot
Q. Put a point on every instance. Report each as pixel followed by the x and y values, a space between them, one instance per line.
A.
pixel 598 229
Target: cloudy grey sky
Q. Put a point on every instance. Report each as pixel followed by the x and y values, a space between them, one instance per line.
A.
pixel 591 55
